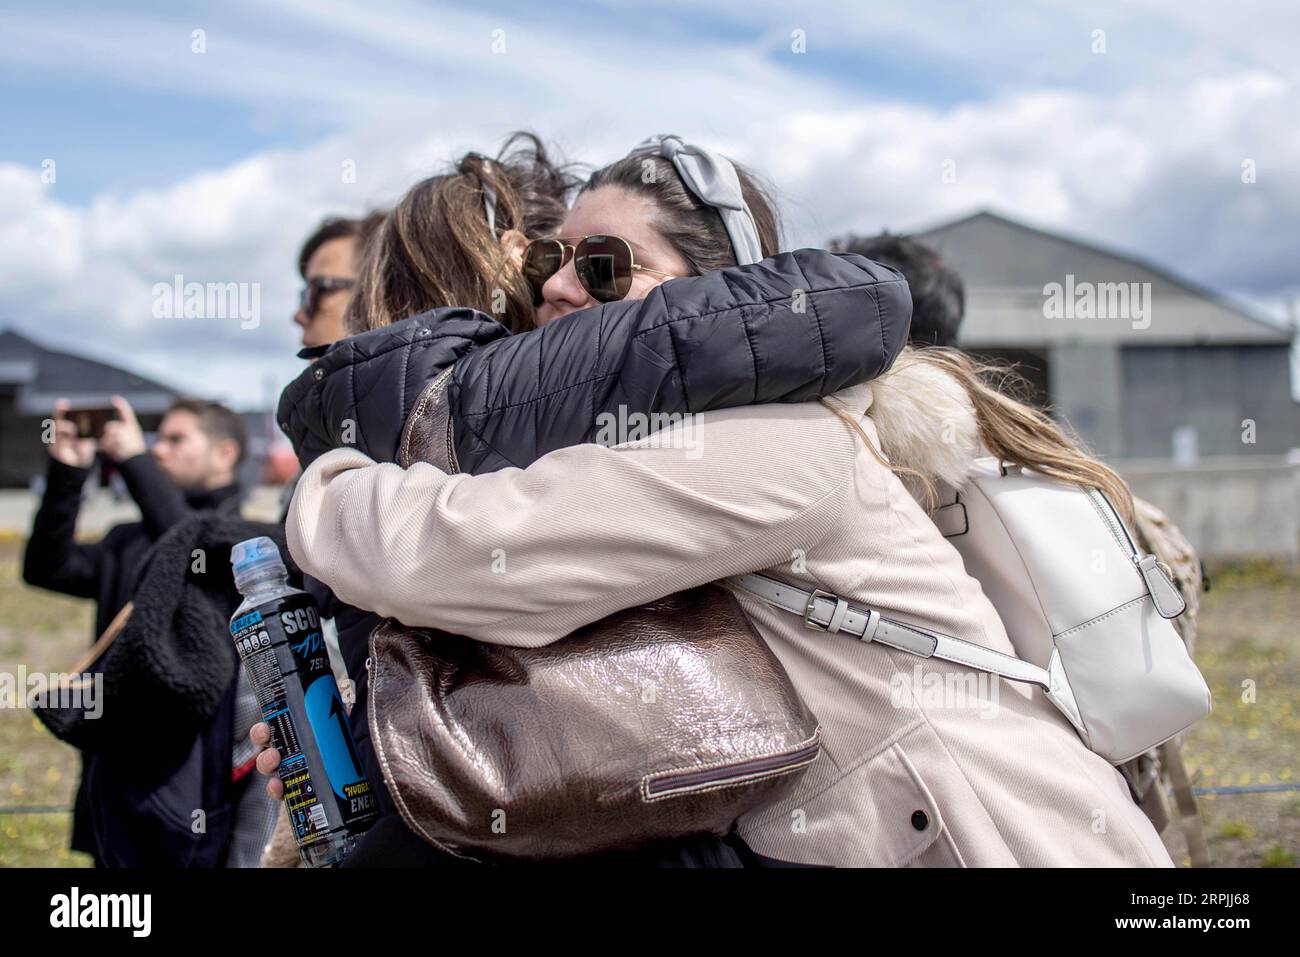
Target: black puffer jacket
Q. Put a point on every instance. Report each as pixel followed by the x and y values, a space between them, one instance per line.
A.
pixel 789 329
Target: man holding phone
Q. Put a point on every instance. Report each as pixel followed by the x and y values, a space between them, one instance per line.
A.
pixel 192 467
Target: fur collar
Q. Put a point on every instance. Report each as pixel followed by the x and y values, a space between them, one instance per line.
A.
pixel 925 422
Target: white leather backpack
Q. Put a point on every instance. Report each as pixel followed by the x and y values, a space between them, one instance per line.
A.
pixel 1086 612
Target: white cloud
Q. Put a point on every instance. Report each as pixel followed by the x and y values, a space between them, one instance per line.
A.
pixel 40 242
pixel 1153 167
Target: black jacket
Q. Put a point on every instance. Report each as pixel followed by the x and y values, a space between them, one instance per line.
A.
pixel 105 570
pixel 173 671
pixel 789 329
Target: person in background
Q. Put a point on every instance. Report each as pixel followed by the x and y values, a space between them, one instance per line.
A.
pixel 191 467
pixel 938 293
pixel 329 263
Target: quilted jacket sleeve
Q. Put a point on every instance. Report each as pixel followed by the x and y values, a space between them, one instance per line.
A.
pixel 792 328
pixel 360 391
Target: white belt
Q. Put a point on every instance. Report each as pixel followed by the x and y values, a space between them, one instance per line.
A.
pixel 823 611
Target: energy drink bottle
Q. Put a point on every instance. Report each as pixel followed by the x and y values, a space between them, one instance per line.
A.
pixel 277 632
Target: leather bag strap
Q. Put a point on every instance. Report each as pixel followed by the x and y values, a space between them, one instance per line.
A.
pixel 823 611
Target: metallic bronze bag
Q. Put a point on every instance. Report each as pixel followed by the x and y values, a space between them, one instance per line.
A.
pixel 658 722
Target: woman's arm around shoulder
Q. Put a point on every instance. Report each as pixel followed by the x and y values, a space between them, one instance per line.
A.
pixel 525 556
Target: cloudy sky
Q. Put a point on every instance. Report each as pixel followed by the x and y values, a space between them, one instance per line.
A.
pixel 128 157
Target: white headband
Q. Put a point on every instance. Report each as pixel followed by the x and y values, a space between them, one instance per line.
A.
pixel 712 178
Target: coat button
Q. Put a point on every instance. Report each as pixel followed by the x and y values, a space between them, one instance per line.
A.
pixel 920 820
pixel 319 373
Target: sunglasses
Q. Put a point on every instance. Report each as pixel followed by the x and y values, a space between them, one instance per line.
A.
pixel 604 265
pixel 317 286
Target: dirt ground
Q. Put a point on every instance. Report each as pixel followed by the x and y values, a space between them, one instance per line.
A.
pixel 1249 651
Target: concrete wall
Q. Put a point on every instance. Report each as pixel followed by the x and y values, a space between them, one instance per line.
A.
pixel 1227 507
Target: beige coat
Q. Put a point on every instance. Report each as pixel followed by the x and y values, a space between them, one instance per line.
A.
pixel 922 764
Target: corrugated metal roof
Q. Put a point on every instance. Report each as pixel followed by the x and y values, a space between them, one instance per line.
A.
pixel 41 375
pixel 1007 267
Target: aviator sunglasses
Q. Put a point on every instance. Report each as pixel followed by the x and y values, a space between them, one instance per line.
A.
pixel 604 265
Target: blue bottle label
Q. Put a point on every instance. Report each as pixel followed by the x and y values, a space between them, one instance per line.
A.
pixel 283 650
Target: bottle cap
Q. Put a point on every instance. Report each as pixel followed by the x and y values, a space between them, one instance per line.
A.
pixel 255 557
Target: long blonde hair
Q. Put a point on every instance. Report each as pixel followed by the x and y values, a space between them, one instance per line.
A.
pixel 1010 430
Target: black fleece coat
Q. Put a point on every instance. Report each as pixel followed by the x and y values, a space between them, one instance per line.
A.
pixel 162 746
pixel 106 570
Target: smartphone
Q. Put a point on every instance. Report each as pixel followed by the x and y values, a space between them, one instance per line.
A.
pixel 90 420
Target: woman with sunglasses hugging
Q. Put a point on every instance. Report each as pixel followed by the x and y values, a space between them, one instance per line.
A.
pixel 824 495
pixel 746 330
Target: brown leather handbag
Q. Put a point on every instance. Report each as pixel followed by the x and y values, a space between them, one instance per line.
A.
pixel 659 722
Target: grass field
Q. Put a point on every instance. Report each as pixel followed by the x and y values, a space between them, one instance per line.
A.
pixel 1249 650
pixel 46 632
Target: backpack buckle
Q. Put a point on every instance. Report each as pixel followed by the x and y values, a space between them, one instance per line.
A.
pixel 812 606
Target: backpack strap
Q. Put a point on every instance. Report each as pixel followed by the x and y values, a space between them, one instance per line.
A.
pixel 823 611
